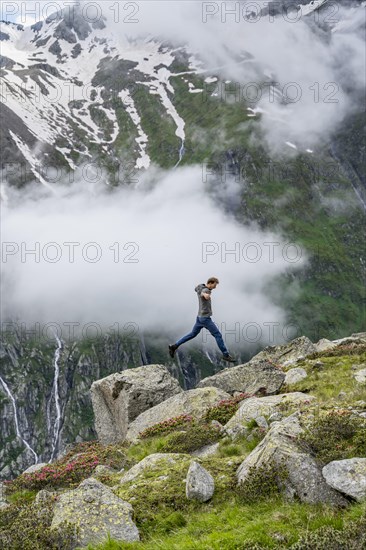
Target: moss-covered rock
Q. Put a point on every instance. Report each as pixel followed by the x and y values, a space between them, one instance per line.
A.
pixel 121 397
pixel 95 511
pixel 151 464
pixel 193 402
pixel 282 448
pixel 288 354
pixel 192 439
pixel 265 406
pixel 249 378
pixel 347 476
pixel 27 526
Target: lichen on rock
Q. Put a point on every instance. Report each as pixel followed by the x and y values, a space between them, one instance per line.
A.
pixel 95 511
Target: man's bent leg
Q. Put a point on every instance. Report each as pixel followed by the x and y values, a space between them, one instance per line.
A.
pixel 213 329
pixel 195 330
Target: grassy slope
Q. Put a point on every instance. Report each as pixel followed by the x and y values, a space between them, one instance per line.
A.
pixel 225 522
pixel 167 520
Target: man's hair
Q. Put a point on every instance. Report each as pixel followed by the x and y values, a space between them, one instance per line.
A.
pixel 212 280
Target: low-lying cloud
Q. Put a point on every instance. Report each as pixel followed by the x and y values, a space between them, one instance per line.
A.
pixel 137 255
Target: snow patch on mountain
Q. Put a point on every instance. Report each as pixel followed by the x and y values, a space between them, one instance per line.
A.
pixel 159 89
pixel 50 86
pixel 306 9
pixel 23 147
pixel 144 160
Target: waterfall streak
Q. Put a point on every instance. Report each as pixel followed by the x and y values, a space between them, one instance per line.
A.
pixel 181 153
pixel 7 390
pixel 55 389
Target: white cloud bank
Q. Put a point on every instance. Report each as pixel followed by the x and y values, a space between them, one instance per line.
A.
pixel 168 217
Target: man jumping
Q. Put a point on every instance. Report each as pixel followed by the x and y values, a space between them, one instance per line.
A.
pixel 204 320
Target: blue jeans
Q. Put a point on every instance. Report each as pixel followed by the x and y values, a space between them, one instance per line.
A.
pixel 205 322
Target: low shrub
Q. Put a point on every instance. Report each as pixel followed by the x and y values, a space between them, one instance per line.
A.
pixel 167 425
pixel 69 471
pixel 24 496
pixel 195 437
pixel 261 483
pixel 221 412
pixel 28 528
pixel 225 409
pixel 351 537
pixel 337 435
pixel 353 348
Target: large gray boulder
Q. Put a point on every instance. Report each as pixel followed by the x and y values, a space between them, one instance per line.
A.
pixel 281 447
pixel 96 511
pixel 256 407
pixel 120 397
pixel 287 354
pixel 347 476
pixel 200 484
pixel 193 402
pixel 247 378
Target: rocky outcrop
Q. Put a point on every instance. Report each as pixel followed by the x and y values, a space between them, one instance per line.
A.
pixel 356 338
pixel 206 450
pixel 287 354
pixel 80 363
pixel 200 484
pixel 103 470
pixel 192 402
pixel 247 378
pixel 324 344
pixel 347 476
pixel 257 407
pixel 282 448
pixel 121 397
pixel 295 375
pixel 96 511
pixel 35 468
pixel 360 376
pixel 155 461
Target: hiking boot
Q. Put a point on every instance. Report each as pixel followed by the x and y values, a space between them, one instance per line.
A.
pixel 172 349
pixel 228 358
